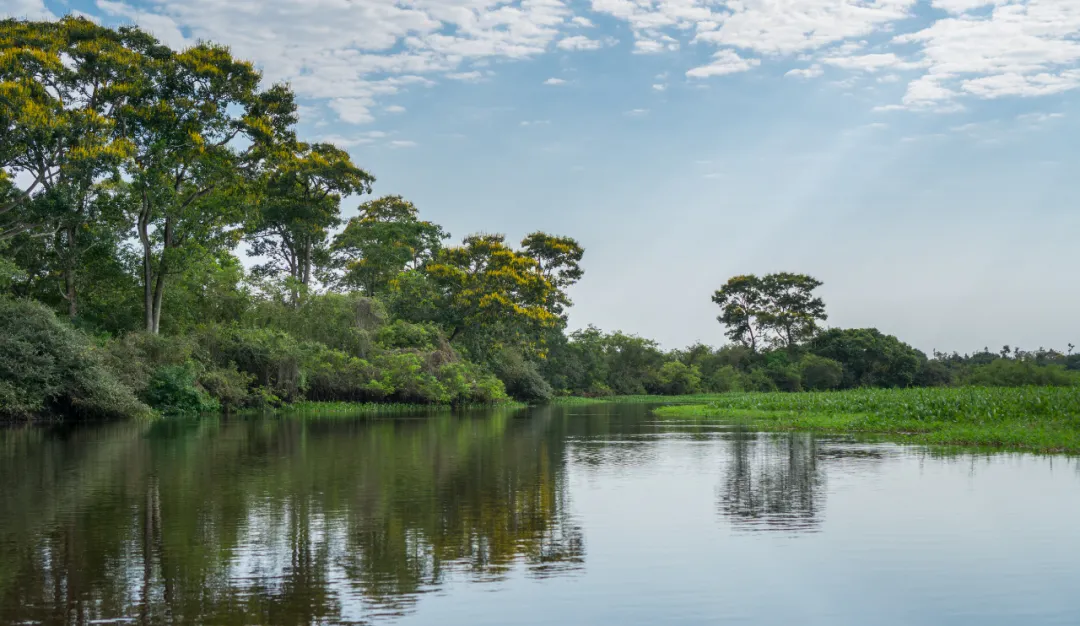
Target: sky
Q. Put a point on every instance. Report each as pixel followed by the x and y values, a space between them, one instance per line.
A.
pixel 917 156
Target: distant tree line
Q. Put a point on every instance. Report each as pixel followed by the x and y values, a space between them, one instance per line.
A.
pixel 133 175
pixel 778 344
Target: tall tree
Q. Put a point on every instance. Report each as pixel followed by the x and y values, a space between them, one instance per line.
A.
pixel 558 259
pixel 62 86
pixel 792 311
pixel 188 177
pixel 301 203
pixel 742 303
pixel 386 238
pixel 486 287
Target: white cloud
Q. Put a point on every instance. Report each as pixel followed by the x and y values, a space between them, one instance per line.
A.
pixel 353 53
pixel 554 81
pixel 655 43
pixel 871 62
pixel 401 143
pixel 962 6
pixel 468 77
pixel 1038 118
pixel 394 108
pixel 659 87
pixel 579 42
pixel 535 122
pixel 358 139
pixel 637 112
pixel 353 110
pixel 724 62
pixel 813 71
pixel 161 26
pixel 771 27
pixel 27 9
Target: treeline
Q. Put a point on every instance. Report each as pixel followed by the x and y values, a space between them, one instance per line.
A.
pixel 133 176
pixel 778 344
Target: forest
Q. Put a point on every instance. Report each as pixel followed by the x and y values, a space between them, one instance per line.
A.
pixel 169 245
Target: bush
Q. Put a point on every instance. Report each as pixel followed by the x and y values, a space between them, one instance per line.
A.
pixel 869 357
pixel 677 379
pixel 173 390
pixel 725 379
pixel 230 387
pixel 522 378
pixel 272 357
pixel 1009 373
pixel 934 374
pixel 467 384
pixel 820 374
pixel 48 369
pixel 136 356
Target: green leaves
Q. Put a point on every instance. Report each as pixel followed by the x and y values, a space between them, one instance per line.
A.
pixel 385 239
pixel 779 309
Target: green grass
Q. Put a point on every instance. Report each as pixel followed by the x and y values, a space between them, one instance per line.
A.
pixel 1037 419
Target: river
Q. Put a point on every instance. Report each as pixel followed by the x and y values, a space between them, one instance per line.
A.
pixel 555 515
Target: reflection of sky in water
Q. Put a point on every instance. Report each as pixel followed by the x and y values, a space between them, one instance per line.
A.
pixel 600 516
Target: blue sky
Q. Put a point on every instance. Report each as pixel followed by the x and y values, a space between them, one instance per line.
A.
pixel 919 157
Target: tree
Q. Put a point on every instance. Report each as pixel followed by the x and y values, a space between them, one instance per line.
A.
pixel 63 86
pixel 189 181
pixel 778 308
pixel 486 288
pixel 869 357
pixel 386 238
pixel 742 305
pixel 301 202
pixel 558 259
pixel 792 311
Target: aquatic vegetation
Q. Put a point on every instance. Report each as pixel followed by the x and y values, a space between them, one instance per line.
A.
pixel 1041 419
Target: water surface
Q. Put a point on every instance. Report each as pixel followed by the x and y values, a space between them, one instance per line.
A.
pixel 582 515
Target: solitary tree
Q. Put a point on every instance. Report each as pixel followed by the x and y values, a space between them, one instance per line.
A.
pixel 778 308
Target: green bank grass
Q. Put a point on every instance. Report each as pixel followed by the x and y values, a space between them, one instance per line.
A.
pixel 1036 419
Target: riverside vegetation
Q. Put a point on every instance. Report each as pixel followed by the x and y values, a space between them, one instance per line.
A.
pixel 133 176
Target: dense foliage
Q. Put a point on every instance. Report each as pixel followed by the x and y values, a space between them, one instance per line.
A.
pixel 131 174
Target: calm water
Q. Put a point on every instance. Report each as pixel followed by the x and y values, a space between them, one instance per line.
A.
pixel 598 515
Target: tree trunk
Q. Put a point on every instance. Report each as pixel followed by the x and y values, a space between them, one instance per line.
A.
pixel 69 275
pixel 148 268
pixel 162 272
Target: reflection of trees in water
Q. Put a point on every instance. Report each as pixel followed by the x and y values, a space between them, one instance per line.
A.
pixel 773 482
pixel 274 521
pixel 777 481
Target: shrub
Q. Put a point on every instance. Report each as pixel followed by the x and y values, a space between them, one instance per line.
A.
pixel 48 368
pixel 725 379
pixel 1009 373
pixel 820 374
pixel 676 379
pixel 522 378
pixel 273 357
pixel 230 387
pixel 174 390
pixel 406 335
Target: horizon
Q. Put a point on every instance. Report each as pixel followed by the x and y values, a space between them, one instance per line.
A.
pixel 913 156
